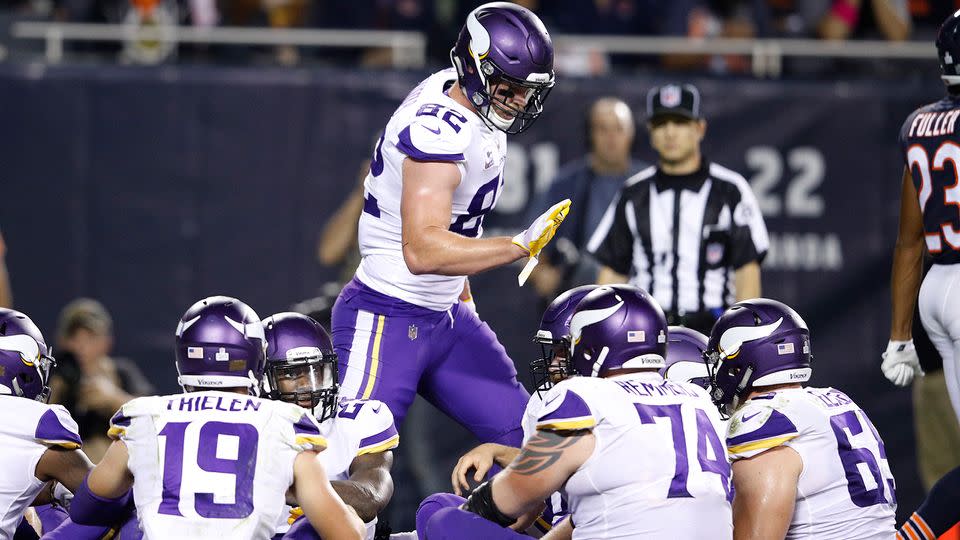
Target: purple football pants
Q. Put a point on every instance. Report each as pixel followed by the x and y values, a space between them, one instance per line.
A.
pixel 456 524
pixel 390 350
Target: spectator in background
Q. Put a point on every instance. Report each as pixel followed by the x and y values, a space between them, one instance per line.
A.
pixel 590 182
pixel 90 383
pixel 279 14
pixel 842 19
pixel 6 296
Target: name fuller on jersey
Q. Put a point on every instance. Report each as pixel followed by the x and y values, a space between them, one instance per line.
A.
pixel 934 124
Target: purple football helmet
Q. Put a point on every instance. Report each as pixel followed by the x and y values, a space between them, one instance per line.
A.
pixel 554 339
pixel 25 358
pixel 220 344
pixel 685 348
pixel 759 342
pixel 617 327
pixel 301 363
pixel 503 53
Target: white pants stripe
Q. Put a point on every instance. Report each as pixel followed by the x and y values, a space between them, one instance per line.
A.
pixel 353 379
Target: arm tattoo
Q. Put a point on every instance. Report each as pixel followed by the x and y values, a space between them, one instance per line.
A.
pixel 543 450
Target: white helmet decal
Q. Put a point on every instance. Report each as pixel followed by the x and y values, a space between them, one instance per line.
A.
pixel 585 318
pixel 734 338
pixel 23 344
pixel 182 326
pixel 250 330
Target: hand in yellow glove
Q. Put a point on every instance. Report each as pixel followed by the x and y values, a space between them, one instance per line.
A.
pixel 295 513
pixel 536 237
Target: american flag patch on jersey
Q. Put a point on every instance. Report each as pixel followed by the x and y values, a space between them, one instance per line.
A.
pixel 194 352
pixel 636 336
pixel 784 348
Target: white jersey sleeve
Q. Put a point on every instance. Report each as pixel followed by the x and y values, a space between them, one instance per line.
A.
pixel 658 469
pixel 428 126
pixel 846 489
pixel 360 427
pixel 212 464
pixel 28 428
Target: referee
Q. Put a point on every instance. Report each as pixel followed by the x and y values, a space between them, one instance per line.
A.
pixel 686 230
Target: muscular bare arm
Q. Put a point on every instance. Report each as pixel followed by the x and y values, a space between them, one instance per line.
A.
pixel 111 478
pixel 561 531
pixel 545 463
pixel 766 489
pixel 907 262
pixel 328 515
pixel 370 485
pixel 69 467
pixel 429 247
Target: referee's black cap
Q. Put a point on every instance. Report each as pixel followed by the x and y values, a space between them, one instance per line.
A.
pixel 681 100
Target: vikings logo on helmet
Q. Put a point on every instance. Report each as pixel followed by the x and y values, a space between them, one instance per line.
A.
pixel 554 339
pixel 502 47
pixel 757 342
pixel 25 359
pixel 602 326
pixel 220 344
pixel 685 348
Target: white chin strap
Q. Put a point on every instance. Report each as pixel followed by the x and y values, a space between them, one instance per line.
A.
pixel 950 80
pixel 496 119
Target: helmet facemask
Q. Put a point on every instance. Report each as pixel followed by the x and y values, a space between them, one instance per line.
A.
pixel 553 365
pixel 309 382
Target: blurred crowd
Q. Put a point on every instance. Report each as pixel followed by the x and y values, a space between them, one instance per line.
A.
pixel 438 19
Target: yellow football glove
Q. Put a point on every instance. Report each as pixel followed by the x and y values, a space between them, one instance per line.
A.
pixel 295 514
pixel 536 237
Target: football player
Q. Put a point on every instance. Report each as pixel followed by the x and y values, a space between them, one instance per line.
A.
pixel 759 355
pixel 360 435
pixel 685 348
pixel 217 461
pixel 929 223
pixel 636 455
pixel 405 323
pixel 553 366
pixel 939 512
pixel 40 442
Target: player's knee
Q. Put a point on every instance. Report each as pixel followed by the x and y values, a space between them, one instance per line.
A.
pixel 443 523
pixel 433 504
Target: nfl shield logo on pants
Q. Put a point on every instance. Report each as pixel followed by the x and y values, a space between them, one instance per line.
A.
pixel 412 332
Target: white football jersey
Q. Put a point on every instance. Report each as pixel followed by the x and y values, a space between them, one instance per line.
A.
pixel 659 469
pixel 212 464
pixel 428 126
pixel 27 429
pixel 846 489
pixel 360 427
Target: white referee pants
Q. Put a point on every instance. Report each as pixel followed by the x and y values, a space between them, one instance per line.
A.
pixel 939 304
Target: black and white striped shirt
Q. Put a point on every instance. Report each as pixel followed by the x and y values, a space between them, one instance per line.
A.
pixel 720 229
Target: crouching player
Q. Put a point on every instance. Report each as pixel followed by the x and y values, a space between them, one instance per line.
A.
pixel 360 435
pixel 759 353
pixel 217 461
pixel 636 455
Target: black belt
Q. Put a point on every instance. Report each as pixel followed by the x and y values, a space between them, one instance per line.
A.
pixel 701 321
